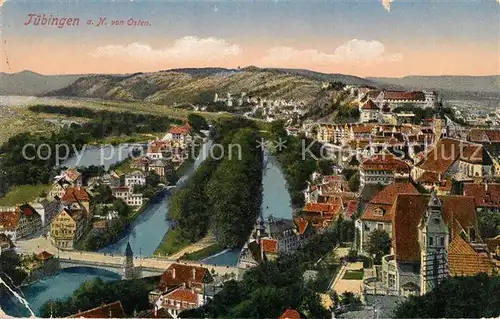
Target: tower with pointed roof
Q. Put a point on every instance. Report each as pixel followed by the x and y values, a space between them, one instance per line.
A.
pixel 128 269
pixel 433 237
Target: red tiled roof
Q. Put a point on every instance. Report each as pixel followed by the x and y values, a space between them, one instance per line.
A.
pixel 44 255
pixel 428 177
pixel 484 136
pixel 112 310
pixel 362 128
pixel 385 162
pixel 178 274
pixel 409 209
pixel 447 151
pixel 72 174
pixel 269 245
pixel 389 194
pixel 301 224
pixel 463 260
pixel 322 208
pixel 10 219
pixel 183 294
pixel 485 195
pixel 369 105
pixel 183 130
pixel 379 207
pixel 290 314
pixel 75 194
pixel 404 96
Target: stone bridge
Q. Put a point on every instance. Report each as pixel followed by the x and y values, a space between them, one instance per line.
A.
pixel 149 266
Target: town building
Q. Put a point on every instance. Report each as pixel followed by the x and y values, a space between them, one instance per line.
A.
pixel 382 169
pixel 157 149
pixel 189 276
pixel 126 193
pixel 432 238
pixel 20 221
pixel 135 178
pixel 182 135
pixel 271 237
pixel 74 177
pixel 67 227
pixel 180 299
pixel 396 99
pixel 369 112
pixel 377 214
pixel 163 168
pixel 77 197
pixel 58 188
pixel 456 159
pixel 486 196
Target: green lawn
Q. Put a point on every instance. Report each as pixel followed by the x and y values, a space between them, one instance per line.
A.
pixel 23 194
pixel 171 243
pixel 353 274
pixel 124 167
pixel 203 253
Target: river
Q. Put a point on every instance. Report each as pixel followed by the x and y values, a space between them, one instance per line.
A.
pixel 276 202
pixel 144 236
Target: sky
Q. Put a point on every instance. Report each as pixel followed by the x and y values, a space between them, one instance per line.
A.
pixel 386 38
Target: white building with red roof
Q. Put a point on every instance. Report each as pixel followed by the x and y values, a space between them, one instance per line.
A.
pixel 369 112
pixel 180 134
pixel 383 169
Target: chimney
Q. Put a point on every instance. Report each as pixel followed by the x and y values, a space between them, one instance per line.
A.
pixel 110 313
pixel 173 272
pixel 156 311
pixel 486 186
pixel 194 273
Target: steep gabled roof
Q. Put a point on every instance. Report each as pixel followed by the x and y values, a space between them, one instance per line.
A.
pixel 485 195
pixel 369 105
pixel 112 310
pixel 178 274
pixel 409 209
pixel 463 260
pixel 75 194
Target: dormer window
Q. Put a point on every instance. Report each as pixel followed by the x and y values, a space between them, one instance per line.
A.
pixel 378 212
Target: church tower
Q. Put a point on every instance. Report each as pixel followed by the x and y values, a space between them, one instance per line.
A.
pixel 128 270
pixel 433 237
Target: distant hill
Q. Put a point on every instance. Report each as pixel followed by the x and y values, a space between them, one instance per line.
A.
pixel 31 83
pixel 192 85
pixel 446 83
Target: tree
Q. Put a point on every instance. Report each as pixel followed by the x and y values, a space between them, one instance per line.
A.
pixel 197 122
pixel 325 167
pixel 10 268
pixel 354 182
pixel 153 179
pixel 489 224
pixel 121 207
pixel 379 244
pixel 456 297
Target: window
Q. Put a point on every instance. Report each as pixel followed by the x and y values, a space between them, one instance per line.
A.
pixel 436 221
pixel 380 226
pixel 441 241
